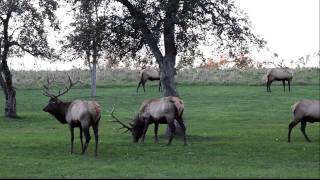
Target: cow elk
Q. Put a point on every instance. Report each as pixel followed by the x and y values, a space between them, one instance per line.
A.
pixel 77 113
pixel 148 74
pixel 279 74
pixel 152 75
pixel 304 111
pixel 158 111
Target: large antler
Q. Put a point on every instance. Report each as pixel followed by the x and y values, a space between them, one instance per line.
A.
pixel 47 92
pixel 68 88
pixel 46 88
pixel 117 120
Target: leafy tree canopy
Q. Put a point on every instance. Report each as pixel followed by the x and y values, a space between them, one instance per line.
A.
pixel 219 23
pixel 23 26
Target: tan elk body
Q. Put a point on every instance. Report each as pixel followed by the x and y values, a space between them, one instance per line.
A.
pixel 78 109
pixel 279 74
pixel 304 111
pixel 148 74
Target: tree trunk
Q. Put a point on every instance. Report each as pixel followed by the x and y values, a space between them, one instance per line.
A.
pixel 5 74
pixel 167 77
pixel 168 82
pixel 10 108
pixel 94 79
pixel 9 92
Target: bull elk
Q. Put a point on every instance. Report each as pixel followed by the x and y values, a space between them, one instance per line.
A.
pixel 78 113
pixel 158 111
pixel 279 74
pixel 304 111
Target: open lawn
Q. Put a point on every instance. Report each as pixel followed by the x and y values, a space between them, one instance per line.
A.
pixel 232 131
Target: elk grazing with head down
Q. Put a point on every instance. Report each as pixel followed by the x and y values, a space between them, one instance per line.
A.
pixel 158 111
pixel 279 74
pixel 78 113
pixel 304 111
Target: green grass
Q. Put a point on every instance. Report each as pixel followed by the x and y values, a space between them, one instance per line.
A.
pixel 233 132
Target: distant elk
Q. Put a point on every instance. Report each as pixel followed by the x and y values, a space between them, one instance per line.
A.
pixel 158 111
pixel 78 113
pixel 149 74
pixel 304 111
pixel 279 74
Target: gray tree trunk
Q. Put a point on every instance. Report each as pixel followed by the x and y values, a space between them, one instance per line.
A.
pixel 5 74
pixel 10 108
pixel 94 79
pixel 9 92
pixel 169 86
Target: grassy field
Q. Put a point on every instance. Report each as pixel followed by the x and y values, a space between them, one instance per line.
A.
pixel 233 132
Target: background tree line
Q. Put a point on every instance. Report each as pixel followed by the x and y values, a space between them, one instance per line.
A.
pixel 124 31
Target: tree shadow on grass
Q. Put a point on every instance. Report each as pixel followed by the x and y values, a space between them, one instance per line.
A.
pixel 14 119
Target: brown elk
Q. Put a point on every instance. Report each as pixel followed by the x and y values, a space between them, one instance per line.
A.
pixel 78 113
pixel 148 74
pixel 279 74
pixel 304 111
pixel 158 111
pixel 152 75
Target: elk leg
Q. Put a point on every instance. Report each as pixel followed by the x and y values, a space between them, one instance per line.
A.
pixel 146 124
pixel 81 138
pixel 160 88
pixel 143 85
pixel 269 86
pixel 96 137
pixel 139 85
pixel 303 129
pixel 284 85
pixel 289 85
pixel 173 130
pixel 180 121
pixel 72 138
pixel 87 136
pixel 156 126
pixel 292 125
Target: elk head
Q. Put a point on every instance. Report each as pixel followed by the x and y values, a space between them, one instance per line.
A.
pixel 136 128
pixel 55 106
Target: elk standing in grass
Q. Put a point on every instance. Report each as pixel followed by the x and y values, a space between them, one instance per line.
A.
pixel 77 113
pixel 148 74
pixel 279 74
pixel 158 111
pixel 304 111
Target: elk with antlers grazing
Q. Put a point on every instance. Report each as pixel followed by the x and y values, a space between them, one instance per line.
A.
pixel 158 111
pixel 304 111
pixel 279 74
pixel 77 113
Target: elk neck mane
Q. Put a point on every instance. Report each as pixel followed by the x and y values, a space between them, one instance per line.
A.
pixel 60 114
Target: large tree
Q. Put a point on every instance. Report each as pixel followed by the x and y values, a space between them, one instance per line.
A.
pixel 87 39
pixel 171 28
pixel 22 29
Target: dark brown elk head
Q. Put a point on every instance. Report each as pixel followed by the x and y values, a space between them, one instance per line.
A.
pixel 56 107
pixel 135 127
